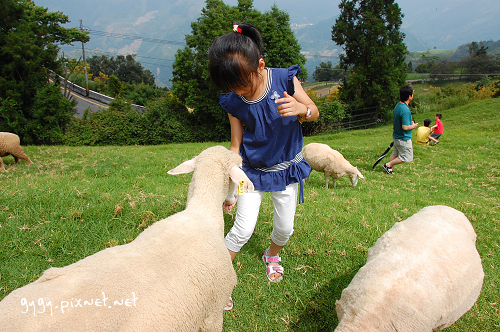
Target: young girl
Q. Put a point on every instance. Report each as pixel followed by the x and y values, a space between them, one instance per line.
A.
pixel 272 104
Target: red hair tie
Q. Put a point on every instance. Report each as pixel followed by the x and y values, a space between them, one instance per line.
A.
pixel 236 29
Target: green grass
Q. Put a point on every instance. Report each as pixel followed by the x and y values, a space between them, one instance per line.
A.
pixel 319 85
pixel 417 76
pixel 75 201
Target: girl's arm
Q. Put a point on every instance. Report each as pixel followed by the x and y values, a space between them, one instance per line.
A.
pixel 236 138
pixel 236 133
pixel 298 104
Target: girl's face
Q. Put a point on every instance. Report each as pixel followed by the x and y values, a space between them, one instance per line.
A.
pixel 245 91
pixel 252 91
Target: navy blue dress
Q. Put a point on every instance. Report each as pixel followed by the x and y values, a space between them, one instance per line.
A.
pixel 270 139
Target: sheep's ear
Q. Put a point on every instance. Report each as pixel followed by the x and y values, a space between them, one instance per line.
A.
pixel 185 167
pixel 236 174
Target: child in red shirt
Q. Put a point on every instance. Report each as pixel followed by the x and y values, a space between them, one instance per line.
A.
pixel 438 128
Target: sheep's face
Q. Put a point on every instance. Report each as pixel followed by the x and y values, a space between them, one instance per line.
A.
pixel 235 176
pixel 230 171
pixel 356 177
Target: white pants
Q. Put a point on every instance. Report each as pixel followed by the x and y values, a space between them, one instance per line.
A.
pixel 284 202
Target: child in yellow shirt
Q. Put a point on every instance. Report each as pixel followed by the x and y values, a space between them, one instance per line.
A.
pixel 424 133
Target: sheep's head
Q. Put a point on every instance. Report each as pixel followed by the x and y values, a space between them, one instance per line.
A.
pixel 238 185
pixel 230 162
pixel 355 177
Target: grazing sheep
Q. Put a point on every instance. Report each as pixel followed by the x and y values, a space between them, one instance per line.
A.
pixel 10 144
pixel 177 275
pixel 323 158
pixel 421 275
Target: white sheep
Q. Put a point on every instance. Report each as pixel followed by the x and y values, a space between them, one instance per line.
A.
pixel 10 144
pixel 323 158
pixel 177 275
pixel 421 275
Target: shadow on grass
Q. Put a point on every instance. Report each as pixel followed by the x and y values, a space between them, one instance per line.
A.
pixel 319 313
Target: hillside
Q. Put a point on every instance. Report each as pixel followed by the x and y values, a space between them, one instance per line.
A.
pixel 443 24
pixel 493 47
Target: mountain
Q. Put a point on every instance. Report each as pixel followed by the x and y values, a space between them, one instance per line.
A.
pixel 428 24
pixel 447 24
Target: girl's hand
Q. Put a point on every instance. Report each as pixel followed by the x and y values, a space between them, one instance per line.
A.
pixel 228 207
pixel 289 106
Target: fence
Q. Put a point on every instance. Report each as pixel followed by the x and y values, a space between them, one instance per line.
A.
pixel 354 119
pixel 445 77
pixel 361 118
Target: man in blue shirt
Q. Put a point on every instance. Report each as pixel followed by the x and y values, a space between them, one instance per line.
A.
pixel 403 125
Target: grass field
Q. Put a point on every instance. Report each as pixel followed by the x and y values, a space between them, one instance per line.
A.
pixel 416 76
pixel 75 201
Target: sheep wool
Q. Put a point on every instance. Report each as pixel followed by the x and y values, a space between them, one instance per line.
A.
pixel 176 276
pixel 422 275
pixel 10 144
pixel 324 159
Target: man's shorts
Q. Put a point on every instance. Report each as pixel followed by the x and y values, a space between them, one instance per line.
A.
pixel 403 150
pixel 436 136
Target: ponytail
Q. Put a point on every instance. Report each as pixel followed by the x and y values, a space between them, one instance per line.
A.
pixel 247 29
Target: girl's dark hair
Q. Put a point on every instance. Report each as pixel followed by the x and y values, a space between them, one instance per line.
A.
pixel 234 57
pixel 405 92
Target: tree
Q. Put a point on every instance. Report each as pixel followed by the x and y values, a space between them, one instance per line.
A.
pixel 479 65
pixel 29 36
pixel 410 67
pixel 423 68
pixel 191 82
pixel 477 49
pixel 125 68
pixel 442 70
pixel 374 51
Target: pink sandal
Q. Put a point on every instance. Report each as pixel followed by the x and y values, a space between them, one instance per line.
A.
pixel 230 304
pixel 271 269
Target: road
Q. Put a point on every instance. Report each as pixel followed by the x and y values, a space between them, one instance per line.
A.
pixel 84 102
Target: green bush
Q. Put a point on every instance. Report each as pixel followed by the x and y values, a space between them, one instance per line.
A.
pixel 117 125
pixel 11 117
pixel 49 116
pixel 44 122
pixel 142 94
pixel 496 87
pixel 332 112
pixel 165 121
pixel 79 79
pixel 168 121
pixel 450 95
